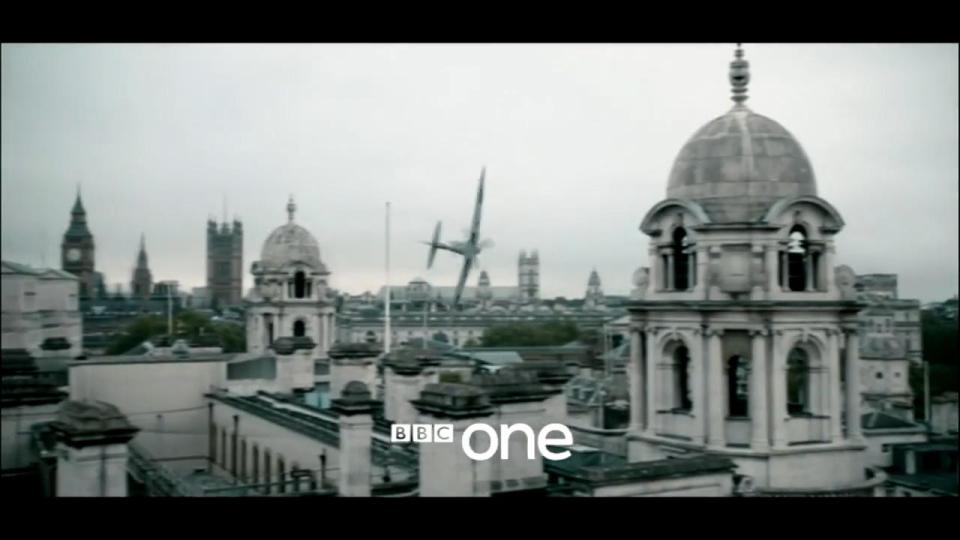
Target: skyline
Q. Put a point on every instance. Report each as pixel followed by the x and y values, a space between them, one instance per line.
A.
pixel 346 128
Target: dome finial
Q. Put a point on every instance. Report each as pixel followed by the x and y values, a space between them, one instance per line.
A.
pixel 739 76
pixel 291 208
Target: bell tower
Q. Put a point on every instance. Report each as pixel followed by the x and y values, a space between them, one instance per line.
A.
pixel 77 250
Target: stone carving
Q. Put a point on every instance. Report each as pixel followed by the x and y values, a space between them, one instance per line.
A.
pixel 641 280
pixel 846 278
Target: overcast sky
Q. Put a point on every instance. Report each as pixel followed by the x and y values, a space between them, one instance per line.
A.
pixel 578 141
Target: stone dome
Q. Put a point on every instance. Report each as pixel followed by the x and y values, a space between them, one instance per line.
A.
pixel 739 164
pixel 290 244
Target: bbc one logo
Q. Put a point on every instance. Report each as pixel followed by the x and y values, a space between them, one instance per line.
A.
pixel 443 434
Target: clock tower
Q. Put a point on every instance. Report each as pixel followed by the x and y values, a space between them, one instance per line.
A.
pixel 76 250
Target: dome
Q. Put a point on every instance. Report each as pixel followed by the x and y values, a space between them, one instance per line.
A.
pixel 739 164
pixel 290 244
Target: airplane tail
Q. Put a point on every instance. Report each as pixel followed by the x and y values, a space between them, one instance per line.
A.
pixel 433 245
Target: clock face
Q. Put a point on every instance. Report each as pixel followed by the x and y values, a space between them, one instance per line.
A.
pixel 73 254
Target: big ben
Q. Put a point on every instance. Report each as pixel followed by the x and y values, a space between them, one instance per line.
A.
pixel 77 250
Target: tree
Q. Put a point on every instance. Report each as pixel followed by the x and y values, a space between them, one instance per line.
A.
pixel 140 330
pixel 939 339
pixel 188 325
pixel 233 338
pixel 543 334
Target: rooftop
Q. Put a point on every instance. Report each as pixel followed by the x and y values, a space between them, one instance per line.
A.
pixel 600 468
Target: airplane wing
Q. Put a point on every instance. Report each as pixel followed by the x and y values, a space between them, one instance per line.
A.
pixel 467 263
pixel 475 226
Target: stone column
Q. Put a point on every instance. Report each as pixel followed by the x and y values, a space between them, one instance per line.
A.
pixel 808 266
pixel 669 270
pixel 333 330
pixel 772 269
pixel 355 410
pixel 322 335
pixel 703 259
pixel 716 413
pixel 352 362
pixel 759 438
pixel 655 283
pixel 833 373
pixel 778 391
pixel 698 389
pixel 402 385
pixel 827 264
pixel 92 440
pixel 650 390
pixel 853 387
pixel 784 271
pixel 636 380
pixel 445 469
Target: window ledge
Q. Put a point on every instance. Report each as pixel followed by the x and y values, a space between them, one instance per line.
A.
pixel 684 412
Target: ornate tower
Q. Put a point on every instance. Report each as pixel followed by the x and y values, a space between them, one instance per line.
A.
pixel 77 250
pixel 594 297
pixel 142 282
pixel 744 342
pixel 290 297
pixel 484 294
pixel 225 264
pixel 528 269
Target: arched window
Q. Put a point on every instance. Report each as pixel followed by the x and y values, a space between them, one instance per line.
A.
pixel 738 386
pixel 299 328
pixel 681 260
pixel 681 371
pixel 299 285
pixel 797 253
pixel 798 382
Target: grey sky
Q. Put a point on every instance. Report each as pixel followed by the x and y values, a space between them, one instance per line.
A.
pixel 578 141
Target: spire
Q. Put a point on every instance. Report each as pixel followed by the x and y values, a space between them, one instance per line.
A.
pixel 594 278
pixel 291 208
pixel 78 203
pixel 739 77
pixel 142 256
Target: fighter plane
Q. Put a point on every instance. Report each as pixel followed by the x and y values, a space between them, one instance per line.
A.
pixel 469 248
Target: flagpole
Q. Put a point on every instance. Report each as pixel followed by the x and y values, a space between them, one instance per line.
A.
pixel 387 334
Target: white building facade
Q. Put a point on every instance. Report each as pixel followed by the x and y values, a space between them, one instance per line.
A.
pixel 41 311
